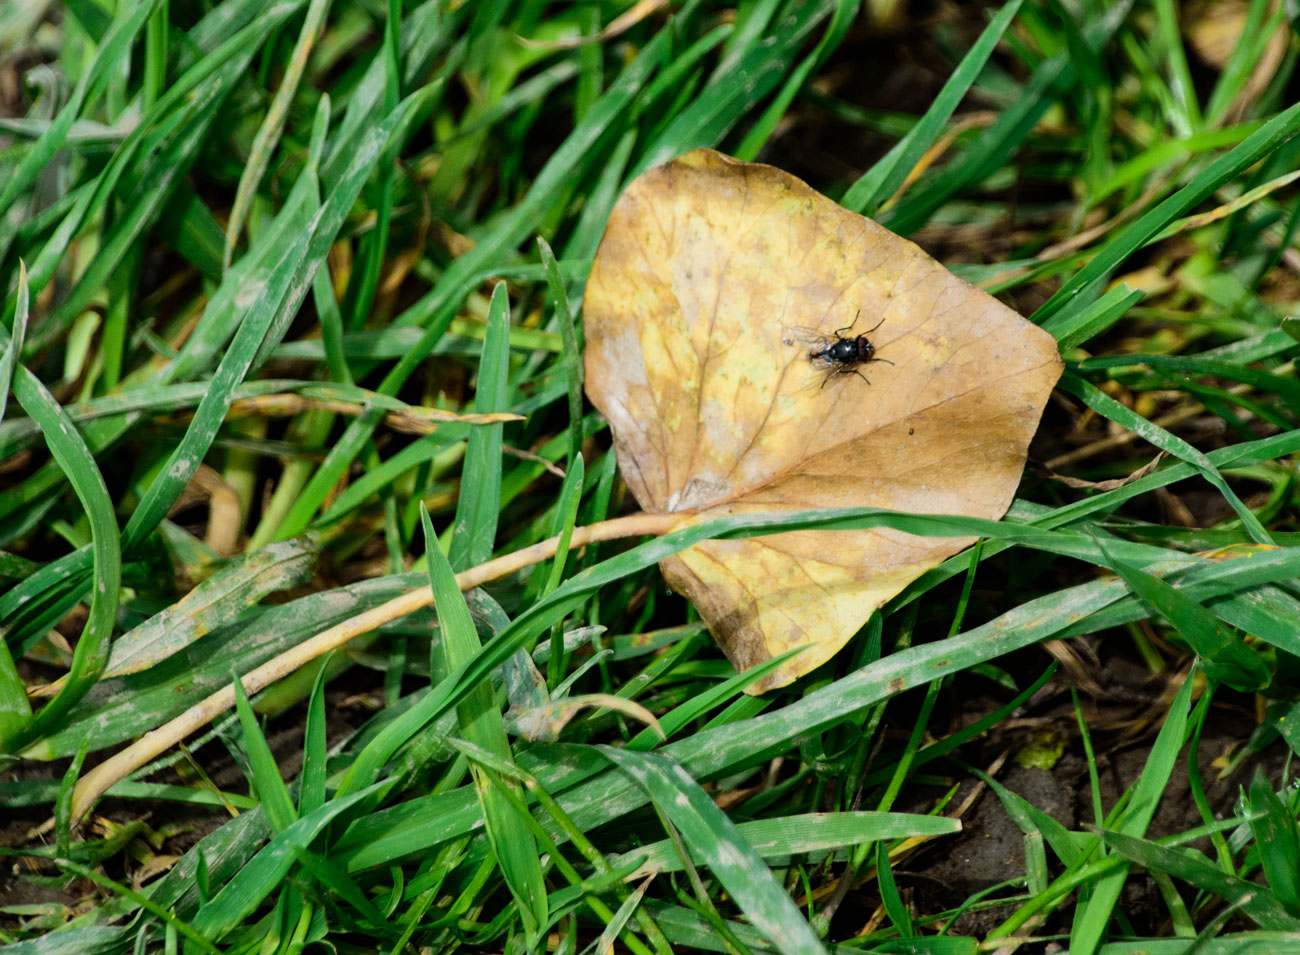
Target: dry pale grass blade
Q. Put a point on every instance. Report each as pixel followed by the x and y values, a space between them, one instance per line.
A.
pixel 224 514
pixel 619 25
pixel 409 419
pixel 706 266
pixel 1110 485
pixel 103 776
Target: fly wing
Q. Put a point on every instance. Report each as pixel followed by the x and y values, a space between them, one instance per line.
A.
pixel 802 335
pixel 819 365
pixel 817 376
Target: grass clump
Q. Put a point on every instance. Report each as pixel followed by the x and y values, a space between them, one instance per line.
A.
pixel 284 364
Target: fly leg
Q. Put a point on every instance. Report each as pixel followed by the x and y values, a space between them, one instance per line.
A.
pixel 839 332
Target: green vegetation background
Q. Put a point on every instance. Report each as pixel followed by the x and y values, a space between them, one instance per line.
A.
pixel 242 245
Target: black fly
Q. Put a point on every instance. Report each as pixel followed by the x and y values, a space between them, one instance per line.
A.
pixel 838 355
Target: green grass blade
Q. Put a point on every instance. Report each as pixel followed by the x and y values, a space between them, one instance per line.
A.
pixel 991 148
pixel 481 724
pixel 1261 22
pixel 14 346
pixel 474 534
pixel 1257 902
pixel 271 790
pixel 1288 388
pixel 1278 839
pixel 56 247
pixel 112 49
pixel 238 360
pixel 585 236
pixel 1181 87
pixel 761 131
pixel 547 611
pixel 365 279
pixel 326 226
pixel 572 355
pixel 435 310
pixel 715 750
pixel 715 841
pixel 1224 654
pixel 159 124
pixel 265 872
pixel 215 602
pixel 105 552
pixel 778 839
pixel 99 878
pixel 1237 611
pixel 126 707
pixel 510 771
pixel 1168 152
pixel 160 174
pixel 1093 917
pixel 895 907
pixel 315 752
pixel 1086 324
pixel 675 720
pixel 566 515
pixel 377 478
pixel 887 175
pixel 1112 410
pixel 1259 144
pixel 710 753
pixel 752 24
pixel 1072 848
pixel 15 711
pixel 268 134
pixel 733 91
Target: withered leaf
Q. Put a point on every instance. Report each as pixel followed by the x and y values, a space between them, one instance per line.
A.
pixel 705 267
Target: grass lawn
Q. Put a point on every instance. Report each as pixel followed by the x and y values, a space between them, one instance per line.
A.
pixel 291 358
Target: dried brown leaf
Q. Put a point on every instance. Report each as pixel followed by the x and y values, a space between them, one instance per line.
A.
pixel 705 266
